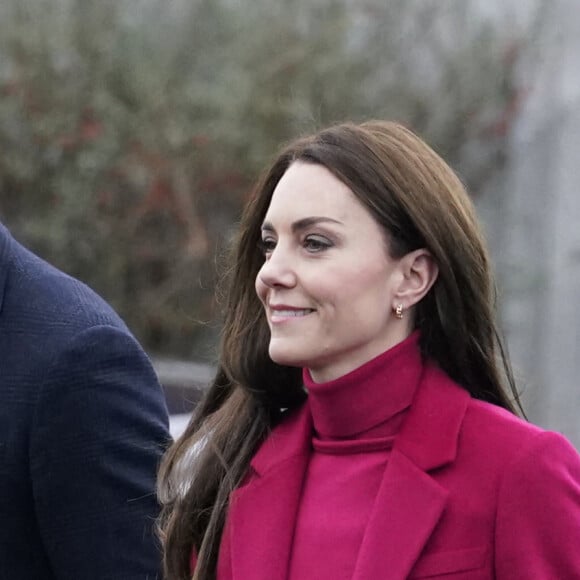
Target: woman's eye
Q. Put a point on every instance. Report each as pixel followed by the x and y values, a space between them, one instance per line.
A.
pixel 316 243
pixel 267 245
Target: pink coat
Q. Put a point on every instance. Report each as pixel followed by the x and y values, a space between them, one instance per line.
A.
pixel 470 493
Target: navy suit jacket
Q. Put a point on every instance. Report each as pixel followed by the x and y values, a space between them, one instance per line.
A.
pixel 83 424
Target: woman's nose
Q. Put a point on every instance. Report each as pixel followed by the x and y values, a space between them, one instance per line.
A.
pixel 278 269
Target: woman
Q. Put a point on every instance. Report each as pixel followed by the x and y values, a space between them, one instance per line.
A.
pixel 362 422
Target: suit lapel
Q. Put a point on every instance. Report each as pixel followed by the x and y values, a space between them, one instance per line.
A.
pixel 410 502
pixel 262 513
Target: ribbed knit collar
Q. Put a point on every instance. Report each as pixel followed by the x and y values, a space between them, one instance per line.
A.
pixel 367 396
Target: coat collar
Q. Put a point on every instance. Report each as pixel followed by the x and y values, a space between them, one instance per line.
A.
pixel 410 502
pixel 258 534
pixel 428 438
pixel 262 513
pixel 290 439
pixel 430 435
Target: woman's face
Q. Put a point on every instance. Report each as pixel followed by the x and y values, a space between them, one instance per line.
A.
pixel 327 283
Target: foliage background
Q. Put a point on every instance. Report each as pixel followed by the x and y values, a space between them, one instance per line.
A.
pixel 131 130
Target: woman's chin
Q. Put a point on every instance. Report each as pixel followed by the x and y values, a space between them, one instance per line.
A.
pixel 287 358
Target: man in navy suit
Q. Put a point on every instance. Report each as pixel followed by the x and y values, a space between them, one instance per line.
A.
pixel 83 424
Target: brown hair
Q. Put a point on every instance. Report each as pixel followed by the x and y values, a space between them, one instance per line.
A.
pixel 420 203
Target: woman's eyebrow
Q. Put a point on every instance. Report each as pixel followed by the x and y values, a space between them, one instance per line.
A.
pixel 303 223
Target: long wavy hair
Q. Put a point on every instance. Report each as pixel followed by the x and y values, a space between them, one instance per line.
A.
pixel 420 202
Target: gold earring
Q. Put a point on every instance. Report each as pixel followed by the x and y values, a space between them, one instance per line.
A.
pixel 399 311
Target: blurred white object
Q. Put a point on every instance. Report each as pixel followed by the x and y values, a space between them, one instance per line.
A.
pixel 178 423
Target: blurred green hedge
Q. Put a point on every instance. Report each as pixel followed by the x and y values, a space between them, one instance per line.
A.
pixel 131 131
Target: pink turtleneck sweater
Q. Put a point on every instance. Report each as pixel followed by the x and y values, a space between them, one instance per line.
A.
pixel 356 419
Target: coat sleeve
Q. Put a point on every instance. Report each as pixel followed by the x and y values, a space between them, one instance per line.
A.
pixel 538 518
pixel 99 430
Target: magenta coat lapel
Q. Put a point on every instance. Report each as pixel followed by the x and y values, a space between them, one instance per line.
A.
pixel 258 536
pixel 406 511
pixel 262 513
pixel 410 502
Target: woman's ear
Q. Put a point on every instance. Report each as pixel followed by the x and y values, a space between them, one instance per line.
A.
pixel 419 274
